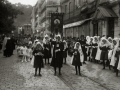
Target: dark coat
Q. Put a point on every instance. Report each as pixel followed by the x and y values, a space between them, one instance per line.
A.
pixel 13 43
pixel 8 50
pixel 94 50
pixel 57 59
pixel 76 59
pixel 38 61
pixel 65 53
pixel 104 53
pixel 117 56
pixel 47 53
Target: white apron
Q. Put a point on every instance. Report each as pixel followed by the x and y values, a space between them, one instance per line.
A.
pixel 98 54
pixel 119 64
pixel 113 58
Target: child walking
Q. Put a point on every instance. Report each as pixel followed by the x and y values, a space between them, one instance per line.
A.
pixel 38 60
pixel 77 57
pixel 24 50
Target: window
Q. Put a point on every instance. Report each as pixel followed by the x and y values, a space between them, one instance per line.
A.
pixel 74 4
pixel 69 8
pixel 65 8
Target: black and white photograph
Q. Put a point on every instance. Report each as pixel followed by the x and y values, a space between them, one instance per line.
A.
pixel 59 44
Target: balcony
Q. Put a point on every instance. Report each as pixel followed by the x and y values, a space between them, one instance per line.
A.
pixel 107 1
pixel 64 1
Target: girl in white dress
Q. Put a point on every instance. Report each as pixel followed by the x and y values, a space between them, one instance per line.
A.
pixel 29 53
pixel 24 49
pixel 98 51
pixel 115 47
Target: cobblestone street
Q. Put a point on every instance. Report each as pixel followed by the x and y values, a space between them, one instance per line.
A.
pixel 15 75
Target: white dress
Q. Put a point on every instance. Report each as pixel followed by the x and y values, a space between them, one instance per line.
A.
pixel 98 53
pixel 113 58
pixel 118 64
pixel 24 51
pixel 29 53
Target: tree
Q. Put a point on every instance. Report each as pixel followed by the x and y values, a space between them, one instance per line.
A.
pixel 7 16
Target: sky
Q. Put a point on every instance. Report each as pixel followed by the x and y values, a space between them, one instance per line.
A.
pixel 26 2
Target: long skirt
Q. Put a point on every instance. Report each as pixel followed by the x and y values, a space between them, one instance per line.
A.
pixel 98 54
pixel 118 67
pixel 113 60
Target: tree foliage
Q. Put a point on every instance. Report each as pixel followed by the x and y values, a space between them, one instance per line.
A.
pixel 7 16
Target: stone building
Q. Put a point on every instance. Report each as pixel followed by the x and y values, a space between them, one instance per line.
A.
pixel 27 29
pixel 42 10
pixel 91 17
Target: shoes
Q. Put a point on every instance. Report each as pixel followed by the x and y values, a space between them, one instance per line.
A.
pixel 54 74
pixel 60 74
pixel 40 75
pixel 35 75
pixel 103 68
pixel 80 74
pixel 84 62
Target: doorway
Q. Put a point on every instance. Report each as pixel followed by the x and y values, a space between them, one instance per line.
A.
pixel 111 27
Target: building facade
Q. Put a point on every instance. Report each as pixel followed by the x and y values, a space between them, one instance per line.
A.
pixel 27 30
pixel 91 17
pixel 42 11
pixel 33 20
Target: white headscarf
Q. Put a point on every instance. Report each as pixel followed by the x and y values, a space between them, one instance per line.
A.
pixel 44 39
pixel 111 43
pixel 106 44
pixel 94 41
pixel 65 45
pixel 80 51
pixel 38 43
pixel 88 39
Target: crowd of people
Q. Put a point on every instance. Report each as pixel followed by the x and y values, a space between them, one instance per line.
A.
pixel 38 51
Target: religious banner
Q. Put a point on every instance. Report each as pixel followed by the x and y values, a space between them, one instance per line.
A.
pixel 57 23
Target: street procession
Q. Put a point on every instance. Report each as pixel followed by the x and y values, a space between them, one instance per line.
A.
pixel 98 50
pixel 60 45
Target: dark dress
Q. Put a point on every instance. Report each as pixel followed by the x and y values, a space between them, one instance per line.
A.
pixel 65 53
pixel 47 53
pixel 83 44
pixel 38 61
pixel 57 59
pixel 94 50
pixel 76 59
pixel 104 53
pixel 8 48
pixel 117 56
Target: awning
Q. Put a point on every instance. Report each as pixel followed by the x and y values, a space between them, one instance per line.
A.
pixel 103 12
pixel 76 23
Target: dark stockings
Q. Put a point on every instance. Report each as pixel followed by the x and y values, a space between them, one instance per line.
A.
pixel 103 64
pixel 48 60
pixel 65 60
pixel 36 71
pixel 59 70
pixel 77 70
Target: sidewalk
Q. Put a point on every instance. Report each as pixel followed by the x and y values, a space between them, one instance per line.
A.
pixel 106 78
